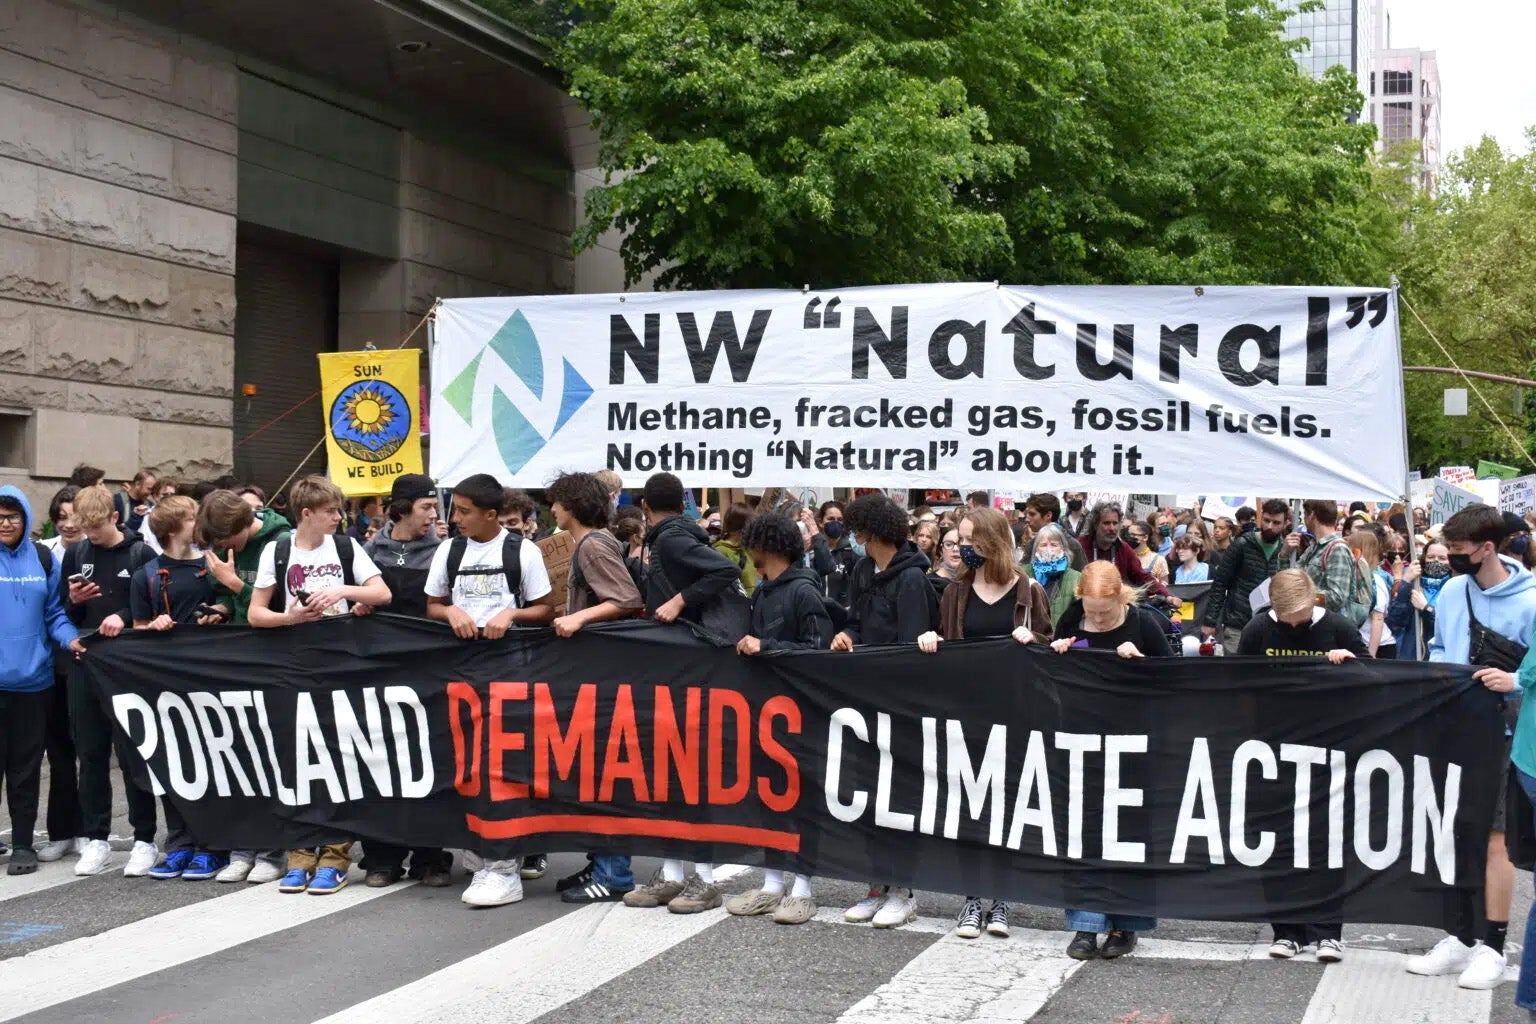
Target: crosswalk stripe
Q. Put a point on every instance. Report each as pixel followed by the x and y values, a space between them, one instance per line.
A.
pixel 1372 987
pixel 59 872
pixel 69 970
pixel 540 970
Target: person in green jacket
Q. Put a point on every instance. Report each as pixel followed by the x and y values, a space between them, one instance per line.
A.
pixel 234 535
pixel 732 523
pixel 1049 566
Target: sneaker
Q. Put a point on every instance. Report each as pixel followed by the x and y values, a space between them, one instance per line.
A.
pixel 1448 956
pixel 382 878
pixel 969 926
pixel 593 892
pixel 204 866
pixel 997 919
pixel 1118 943
pixel 658 892
pixel 264 871
pixel 141 859
pixel 237 870
pixel 899 908
pixel 327 881
pixel 1330 951
pixel 794 910
pixel 23 861
pixel 1084 946
pixel 58 849
pixel 493 889
pixel 1284 949
pixel 534 866
pixel 93 859
pixel 697 896
pixel 1485 971
pixel 575 881
pixel 753 902
pixel 296 880
pixel 171 865
pixel 864 911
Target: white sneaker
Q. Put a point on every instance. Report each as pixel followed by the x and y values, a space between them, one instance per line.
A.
pixel 1448 957
pixel 1330 951
pixel 58 849
pixel 494 888
pixel 143 857
pixel 864 911
pixel 238 869
pixel 899 908
pixel 93 859
pixel 1486 969
pixel 264 871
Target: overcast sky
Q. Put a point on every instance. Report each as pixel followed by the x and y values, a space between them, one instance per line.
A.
pixel 1487 55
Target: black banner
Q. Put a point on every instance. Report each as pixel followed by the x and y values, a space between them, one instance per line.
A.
pixel 1217 789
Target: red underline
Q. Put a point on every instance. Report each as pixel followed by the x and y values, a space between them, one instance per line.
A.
pixel 608 825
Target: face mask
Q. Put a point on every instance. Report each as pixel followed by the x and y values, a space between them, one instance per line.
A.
pixel 1462 565
pixel 1074 505
pixel 858 548
pixel 1050 568
pixel 1165 532
pixel 969 556
pixel 833 529
pixel 713 531
pixel 1437 570
pixel 1517 545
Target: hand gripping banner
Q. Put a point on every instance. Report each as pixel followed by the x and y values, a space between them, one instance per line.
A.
pixel 1215 789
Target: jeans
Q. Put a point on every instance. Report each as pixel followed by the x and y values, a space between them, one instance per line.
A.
pixel 23 732
pixel 614 872
pixel 1093 921
pixel 1525 991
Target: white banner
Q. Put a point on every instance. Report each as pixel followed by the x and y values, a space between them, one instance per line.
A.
pixel 1448 499
pixel 1165 389
pixel 1518 495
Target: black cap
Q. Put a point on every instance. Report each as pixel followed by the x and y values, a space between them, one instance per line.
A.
pixel 1514 524
pixel 412 487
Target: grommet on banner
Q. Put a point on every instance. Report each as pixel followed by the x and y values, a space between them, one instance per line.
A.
pixel 804 289
pixel 1199 290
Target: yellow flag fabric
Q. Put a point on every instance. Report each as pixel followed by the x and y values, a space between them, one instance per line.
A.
pixel 372 418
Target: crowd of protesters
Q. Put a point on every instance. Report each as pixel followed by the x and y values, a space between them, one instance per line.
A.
pixel 1280 582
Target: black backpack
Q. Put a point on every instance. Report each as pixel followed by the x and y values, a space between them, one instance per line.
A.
pixel 511 564
pixel 283 554
pixel 44 557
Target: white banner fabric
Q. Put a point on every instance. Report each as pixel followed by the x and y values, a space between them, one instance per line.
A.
pixel 1166 389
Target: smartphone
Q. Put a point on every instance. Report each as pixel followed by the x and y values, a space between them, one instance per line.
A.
pixel 77 578
pixel 303 596
pixel 206 610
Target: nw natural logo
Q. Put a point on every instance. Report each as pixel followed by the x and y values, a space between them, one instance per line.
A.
pixel 514 352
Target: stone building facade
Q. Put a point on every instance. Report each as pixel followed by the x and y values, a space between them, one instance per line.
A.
pixel 195 199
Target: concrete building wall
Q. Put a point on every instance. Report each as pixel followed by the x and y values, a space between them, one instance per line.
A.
pixel 117 246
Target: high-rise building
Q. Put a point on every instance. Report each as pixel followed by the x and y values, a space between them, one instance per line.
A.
pixel 1342 32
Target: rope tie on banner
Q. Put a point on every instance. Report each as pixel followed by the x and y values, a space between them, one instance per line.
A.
pixel 430 314
pixel 1520 445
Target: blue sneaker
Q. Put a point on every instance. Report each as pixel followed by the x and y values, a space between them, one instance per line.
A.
pixel 296 880
pixel 171 865
pixel 204 866
pixel 327 881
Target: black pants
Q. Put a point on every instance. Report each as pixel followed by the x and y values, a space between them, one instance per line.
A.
pixel 379 856
pixel 1307 934
pixel 23 736
pixel 95 739
pixel 63 780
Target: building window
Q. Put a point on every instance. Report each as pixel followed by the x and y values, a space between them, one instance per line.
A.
pixel 13 440
pixel 1397 83
pixel 1396 122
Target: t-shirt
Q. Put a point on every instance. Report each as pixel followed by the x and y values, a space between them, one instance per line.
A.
pixel 1140 628
pixel 313 570
pixel 995 619
pixel 1383 598
pixel 484 595
pixel 1200 572
pixel 188 585
pixel 602 564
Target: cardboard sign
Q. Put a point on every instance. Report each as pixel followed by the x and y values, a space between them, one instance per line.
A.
pixel 1448 499
pixel 558 550
pixel 1457 474
pixel 1517 495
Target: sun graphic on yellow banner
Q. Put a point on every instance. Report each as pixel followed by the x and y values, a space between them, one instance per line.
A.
pixel 368 411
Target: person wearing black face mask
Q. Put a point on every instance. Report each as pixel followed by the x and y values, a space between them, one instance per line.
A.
pixel 1073 521
pixel 1411 615
pixel 832 554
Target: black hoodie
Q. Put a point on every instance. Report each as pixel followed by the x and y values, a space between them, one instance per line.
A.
pixel 1266 636
pixel 110 569
pixel 895 606
pixel 789 613
pixel 682 562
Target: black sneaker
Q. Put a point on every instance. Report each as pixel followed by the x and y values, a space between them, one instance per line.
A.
pixel 593 892
pixel 969 925
pixel 534 866
pixel 1084 947
pixel 23 861
pixel 575 881
pixel 1118 944
pixel 997 919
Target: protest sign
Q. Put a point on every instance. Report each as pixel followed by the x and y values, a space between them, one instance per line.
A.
pixel 1457 474
pixel 1207 789
pixel 1518 495
pixel 558 550
pixel 1447 499
pixel 372 421
pixel 1173 390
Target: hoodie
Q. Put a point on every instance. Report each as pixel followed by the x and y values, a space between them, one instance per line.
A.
pixel 1508 608
pixel 112 570
pixel 789 613
pixel 1267 637
pixel 682 562
pixel 273 526
pixel 31 611
pixel 404 565
pixel 895 605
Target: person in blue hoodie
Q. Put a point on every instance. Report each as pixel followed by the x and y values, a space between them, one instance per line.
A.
pixel 32 622
pixel 1501 595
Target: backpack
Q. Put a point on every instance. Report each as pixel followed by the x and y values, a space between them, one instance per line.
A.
pixel 44 557
pixel 1361 600
pixel 635 569
pixel 511 568
pixel 157 578
pixel 283 554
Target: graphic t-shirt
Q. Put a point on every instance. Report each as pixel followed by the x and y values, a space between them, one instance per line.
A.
pixel 482 595
pixel 317 569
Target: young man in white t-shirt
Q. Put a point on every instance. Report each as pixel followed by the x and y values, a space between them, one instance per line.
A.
pixel 479 602
pixel 313 585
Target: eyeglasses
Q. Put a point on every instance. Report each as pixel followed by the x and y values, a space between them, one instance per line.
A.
pixel 11 519
pixel 951 544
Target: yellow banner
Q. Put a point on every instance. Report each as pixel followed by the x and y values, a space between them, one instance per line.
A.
pixel 372 418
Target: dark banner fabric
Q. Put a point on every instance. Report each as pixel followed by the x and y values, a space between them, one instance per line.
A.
pixel 1201 788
